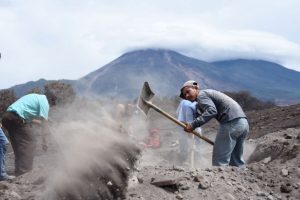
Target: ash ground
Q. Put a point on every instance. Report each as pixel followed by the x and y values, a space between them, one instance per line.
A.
pixel 272 172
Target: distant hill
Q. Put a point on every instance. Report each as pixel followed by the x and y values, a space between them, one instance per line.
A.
pixel 263 79
pixel 166 70
pixel 23 89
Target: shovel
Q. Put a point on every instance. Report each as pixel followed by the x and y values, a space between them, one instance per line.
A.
pixel 144 103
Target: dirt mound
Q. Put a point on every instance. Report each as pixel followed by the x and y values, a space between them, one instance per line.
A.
pixel 273 173
pixel 106 182
pixel 271 120
pixel 280 146
pixel 273 169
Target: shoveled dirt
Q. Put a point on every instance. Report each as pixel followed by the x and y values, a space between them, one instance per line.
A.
pixel 272 172
pixel 274 119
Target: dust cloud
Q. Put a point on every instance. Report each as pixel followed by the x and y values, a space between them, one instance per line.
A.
pixel 93 156
pixel 249 148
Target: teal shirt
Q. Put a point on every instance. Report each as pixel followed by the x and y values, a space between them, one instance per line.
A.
pixel 31 106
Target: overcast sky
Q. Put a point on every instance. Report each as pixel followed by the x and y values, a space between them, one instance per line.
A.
pixel 55 39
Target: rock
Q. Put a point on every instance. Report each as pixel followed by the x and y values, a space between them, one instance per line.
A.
pixel 140 179
pixel 204 184
pixel 179 169
pixel 208 170
pixel 220 169
pixel 284 172
pixel 3 186
pixel 173 183
pixel 109 183
pixel 286 188
pixel 261 194
pixel 185 187
pixel 288 136
pixel 267 160
pixel 270 197
pixel 133 194
pixel 241 188
pixel 179 196
pixel 260 175
pixel 286 143
pixel 198 178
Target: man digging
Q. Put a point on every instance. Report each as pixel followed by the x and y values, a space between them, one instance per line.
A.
pixel 21 119
pixel 229 142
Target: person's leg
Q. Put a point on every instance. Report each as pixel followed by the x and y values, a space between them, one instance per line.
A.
pixel 10 121
pixel 3 142
pixel 185 114
pixel 240 131
pixel 22 140
pixel 224 145
pixel 25 143
pixel 2 162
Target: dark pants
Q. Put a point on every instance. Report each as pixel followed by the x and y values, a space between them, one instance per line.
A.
pixel 23 141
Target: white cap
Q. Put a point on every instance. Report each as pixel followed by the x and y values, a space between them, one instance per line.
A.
pixel 189 83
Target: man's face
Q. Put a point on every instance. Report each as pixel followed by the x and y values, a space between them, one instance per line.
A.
pixel 190 93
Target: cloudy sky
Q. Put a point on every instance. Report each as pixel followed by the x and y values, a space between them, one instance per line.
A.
pixel 55 39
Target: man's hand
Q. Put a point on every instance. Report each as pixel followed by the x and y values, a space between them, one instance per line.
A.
pixel 188 128
pixel 37 121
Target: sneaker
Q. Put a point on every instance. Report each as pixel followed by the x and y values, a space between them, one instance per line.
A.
pixel 7 178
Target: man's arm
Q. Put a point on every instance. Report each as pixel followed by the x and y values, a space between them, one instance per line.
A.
pixel 209 111
pixel 45 134
pixel 45 131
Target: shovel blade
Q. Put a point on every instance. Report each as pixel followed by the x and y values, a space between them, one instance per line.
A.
pixel 145 96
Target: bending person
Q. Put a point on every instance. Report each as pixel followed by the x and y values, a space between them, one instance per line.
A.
pixel 229 142
pixel 22 119
pixel 188 144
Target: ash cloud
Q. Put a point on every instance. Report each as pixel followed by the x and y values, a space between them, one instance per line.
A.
pixel 93 157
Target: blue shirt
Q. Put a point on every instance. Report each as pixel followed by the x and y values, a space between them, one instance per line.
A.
pixel 31 106
pixel 186 111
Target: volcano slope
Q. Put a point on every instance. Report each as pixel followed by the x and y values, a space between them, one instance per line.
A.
pixel 88 159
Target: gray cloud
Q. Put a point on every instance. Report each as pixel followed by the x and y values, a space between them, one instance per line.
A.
pixel 68 39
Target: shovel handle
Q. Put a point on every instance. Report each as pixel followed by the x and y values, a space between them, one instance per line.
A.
pixel 177 122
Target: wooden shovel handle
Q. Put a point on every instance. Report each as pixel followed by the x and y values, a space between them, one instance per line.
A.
pixel 177 122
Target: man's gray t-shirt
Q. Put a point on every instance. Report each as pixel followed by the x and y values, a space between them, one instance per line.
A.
pixel 215 104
